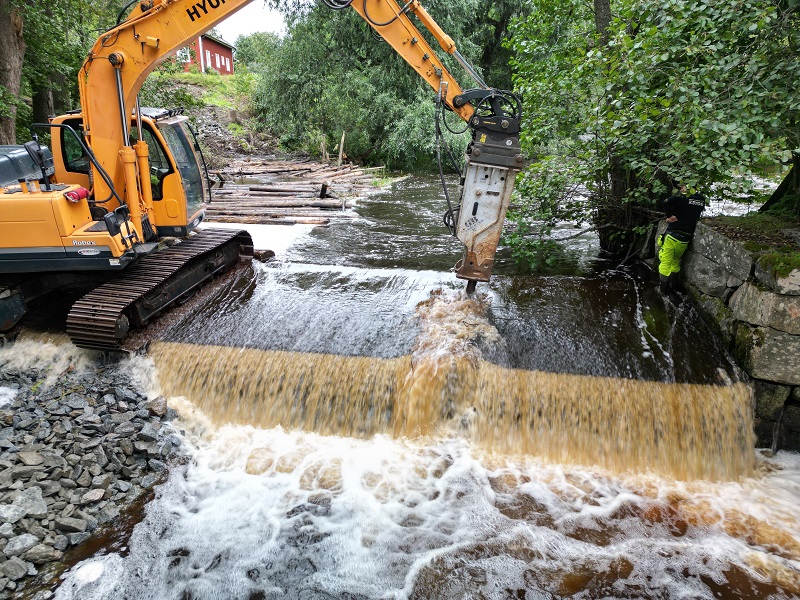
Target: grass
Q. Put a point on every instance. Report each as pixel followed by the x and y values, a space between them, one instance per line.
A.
pixel 224 91
pixel 781 262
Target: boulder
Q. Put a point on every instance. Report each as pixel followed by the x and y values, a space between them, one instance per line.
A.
pixel 717 314
pixel 19 544
pixel 765 433
pixel 706 275
pixel 78 538
pixel 68 524
pixel 31 501
pixel 791 419
pixel 30 459
pixel 790 440
pixel 14 568
pixel 727 253
pixel 762 307
pixel 770 399
pixel 61 542
pixel 788 285
pixel 92 496
pixel 10 513
pixel 157 406
pixel 768 354
pixel 42 553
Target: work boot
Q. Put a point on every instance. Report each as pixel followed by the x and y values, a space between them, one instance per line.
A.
pixel 675 289
pixel 675 283
pixel 663 284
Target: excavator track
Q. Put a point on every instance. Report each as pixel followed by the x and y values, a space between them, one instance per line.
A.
pixel 101 319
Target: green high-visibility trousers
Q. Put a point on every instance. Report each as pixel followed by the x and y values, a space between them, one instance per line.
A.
pixel 669 256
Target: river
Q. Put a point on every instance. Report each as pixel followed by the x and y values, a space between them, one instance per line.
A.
pixel 362 429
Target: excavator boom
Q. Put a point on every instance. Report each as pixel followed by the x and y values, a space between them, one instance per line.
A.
pixel 121 59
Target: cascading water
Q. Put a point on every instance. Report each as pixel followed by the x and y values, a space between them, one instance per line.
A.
pixel 445 383
pixel 364 431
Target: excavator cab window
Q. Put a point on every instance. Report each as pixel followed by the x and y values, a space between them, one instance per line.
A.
pixel 75 159
pixel 186 160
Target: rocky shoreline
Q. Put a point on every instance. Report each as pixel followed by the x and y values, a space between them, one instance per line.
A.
pixel 77 448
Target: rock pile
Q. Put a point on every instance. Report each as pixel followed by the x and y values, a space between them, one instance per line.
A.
pixel 72 456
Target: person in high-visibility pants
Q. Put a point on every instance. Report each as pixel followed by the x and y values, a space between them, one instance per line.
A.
pixel 683 213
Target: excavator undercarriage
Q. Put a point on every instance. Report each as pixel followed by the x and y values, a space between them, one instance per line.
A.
pixel 102 319
pixel 131 299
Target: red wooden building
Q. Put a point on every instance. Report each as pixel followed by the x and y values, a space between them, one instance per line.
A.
pixel 208 52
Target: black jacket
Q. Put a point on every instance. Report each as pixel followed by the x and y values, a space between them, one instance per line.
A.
pixel 688 211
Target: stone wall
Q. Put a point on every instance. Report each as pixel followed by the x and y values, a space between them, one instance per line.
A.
pixel 758 315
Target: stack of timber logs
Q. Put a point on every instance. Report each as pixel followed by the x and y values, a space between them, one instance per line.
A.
pixel 296 191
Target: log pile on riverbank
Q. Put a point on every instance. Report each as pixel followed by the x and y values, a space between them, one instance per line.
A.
pixel 72 457
pixel 288 192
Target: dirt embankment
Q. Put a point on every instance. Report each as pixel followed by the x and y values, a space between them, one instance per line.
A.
pixel 225 136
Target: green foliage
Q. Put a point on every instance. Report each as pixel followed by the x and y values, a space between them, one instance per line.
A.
pixel 256 49
pixel 700 91
pixel 329 75
pixel 57 36
pixel 195 90
pixel 786 209
pixel 755 222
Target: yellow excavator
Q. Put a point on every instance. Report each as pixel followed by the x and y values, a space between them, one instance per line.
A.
pixel 121 179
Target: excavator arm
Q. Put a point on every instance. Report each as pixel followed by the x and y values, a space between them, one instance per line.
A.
pixel 123 57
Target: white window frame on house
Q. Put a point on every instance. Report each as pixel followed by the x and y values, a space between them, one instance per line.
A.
pixel 208 58
pixel 228 64
pixel 216 55
pixel 184 55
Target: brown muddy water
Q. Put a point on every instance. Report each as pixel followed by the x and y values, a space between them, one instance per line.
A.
pixel 361 429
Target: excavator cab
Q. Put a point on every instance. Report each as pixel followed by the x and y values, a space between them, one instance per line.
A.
pixel 178 190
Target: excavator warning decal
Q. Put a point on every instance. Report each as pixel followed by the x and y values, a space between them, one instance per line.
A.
pixel 483 138
pixel 194 12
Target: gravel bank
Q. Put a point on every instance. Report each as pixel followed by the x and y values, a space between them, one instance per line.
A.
pixel 78 445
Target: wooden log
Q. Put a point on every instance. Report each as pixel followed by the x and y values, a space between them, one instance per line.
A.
pixel 282 213
pixel 279 221
pixel 287 202
pixel 235 199
pixel 298 187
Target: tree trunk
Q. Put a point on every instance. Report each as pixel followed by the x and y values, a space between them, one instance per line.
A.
pixel 12 52
pixel 790 186
pixel 62 94
pixel 43 107
pixel 610 218
pixel 602 19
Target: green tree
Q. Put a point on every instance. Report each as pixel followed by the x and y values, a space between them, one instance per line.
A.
pixel 12 54
pixel 256 49
pixel 39 71
pixel 700 91
pixel 330 75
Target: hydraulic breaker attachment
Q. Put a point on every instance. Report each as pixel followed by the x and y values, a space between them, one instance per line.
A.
pixel 493 160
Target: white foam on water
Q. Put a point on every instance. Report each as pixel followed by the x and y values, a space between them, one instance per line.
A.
pixel 290 514
pixel 278 238
pixel 51 355
pixel 7 395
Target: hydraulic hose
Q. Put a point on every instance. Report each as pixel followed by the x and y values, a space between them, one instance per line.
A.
pixel 450 215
